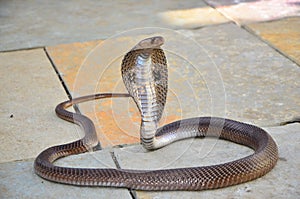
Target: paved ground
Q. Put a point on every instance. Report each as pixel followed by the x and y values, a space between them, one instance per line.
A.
pixel 228 59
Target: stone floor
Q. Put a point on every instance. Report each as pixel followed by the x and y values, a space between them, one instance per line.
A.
pixel 232 59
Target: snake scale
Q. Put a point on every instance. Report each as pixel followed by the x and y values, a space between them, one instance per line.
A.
pixel 145 75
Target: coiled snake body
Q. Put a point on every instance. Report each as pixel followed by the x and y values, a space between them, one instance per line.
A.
pixel 144 72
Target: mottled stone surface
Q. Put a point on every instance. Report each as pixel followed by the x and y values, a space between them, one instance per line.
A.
pixel 283 35
pixel 194 152
pixel 81 73
pixel 18 180
pixel 192 18
pixel 30 90
pixel 28 125
pixel 27 24
pixel 261 86
pixel 222 70
pixel 249 11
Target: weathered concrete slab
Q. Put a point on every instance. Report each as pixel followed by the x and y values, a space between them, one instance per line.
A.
pixel 196 152
pixel 256 78
pixel 30 90
pixel 69 59
pixel 248 11
pixel 18 180
pixel 27 24
pixel 283 34
pixel 192 18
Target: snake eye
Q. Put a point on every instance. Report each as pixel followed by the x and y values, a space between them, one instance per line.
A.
pixel 158 41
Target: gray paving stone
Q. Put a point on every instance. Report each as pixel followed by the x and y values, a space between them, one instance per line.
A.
pixel 249 11
pixel 30 91
pixel 195 152
pixel 247 80
pixel 18 180
pixel 29 125
pixel 282 34
pixel 27 24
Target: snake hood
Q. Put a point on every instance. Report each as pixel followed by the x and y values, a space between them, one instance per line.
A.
pixel 145 75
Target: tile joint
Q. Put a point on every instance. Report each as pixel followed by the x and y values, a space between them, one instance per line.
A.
pixel 76 108
pixel 132 192
pixel 252 32
pixel 58 74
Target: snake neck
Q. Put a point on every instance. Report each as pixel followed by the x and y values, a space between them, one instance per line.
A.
pixel 146 99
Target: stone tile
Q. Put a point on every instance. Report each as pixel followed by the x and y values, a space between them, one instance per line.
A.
pixel 68 58
pixel 19 180
pixel 247 11
pixel 193 18
pixel 283 34
pixel 194 152
pixel 256 79
pixel 71 59
pixel 30 91
pixel 27 24
pixel 29 125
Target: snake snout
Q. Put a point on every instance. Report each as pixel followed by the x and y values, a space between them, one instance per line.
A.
pixel 157 41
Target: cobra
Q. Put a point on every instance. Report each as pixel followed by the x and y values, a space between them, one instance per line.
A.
pixel 145 75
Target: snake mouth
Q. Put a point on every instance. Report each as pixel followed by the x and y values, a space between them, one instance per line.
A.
pixel 150 43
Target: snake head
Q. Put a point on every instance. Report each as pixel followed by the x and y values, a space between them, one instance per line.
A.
pixel 149 43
